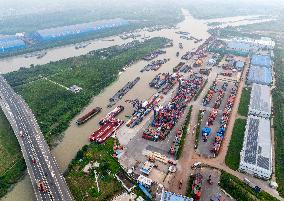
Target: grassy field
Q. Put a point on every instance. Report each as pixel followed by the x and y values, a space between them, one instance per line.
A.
pixel 278 120
pixel 244 102
pixel 232 159
pixel 83 186
pixel 53 105
pixel 240 191
pixel 184 132
pixel 12 164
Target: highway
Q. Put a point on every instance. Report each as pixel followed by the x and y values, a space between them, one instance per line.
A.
pixel 47 180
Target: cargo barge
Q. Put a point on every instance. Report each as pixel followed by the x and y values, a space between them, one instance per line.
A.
pixel 112 114
pixel 106 130
pixel 118 95
pixel 88 116
pixel 177 68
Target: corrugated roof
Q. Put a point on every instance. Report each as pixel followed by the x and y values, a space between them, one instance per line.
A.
pixel 10 42
pixel 239 46
pixel 80 28
pixel 261 60
pixel 259 75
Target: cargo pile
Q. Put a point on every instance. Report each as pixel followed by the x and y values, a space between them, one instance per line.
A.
pixel 176 143
pixel 212 117
pixel 228 74
pixel 153 55
pixel 185 68
pixel 218 140
pixel 164 82
pixel 210 94
pixel 224 120
pixel 177 68
pixel 154 65
pixel 206 132
pixel 165 117
pixel 142 109
pixel 196 187
pixel 229 106
pixel 221 95
pixel 205 71
pixel 118 95
pixel 187 56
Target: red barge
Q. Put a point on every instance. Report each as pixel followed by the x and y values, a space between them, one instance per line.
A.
pixel 112 114
pixel 106 130
pixel 108 125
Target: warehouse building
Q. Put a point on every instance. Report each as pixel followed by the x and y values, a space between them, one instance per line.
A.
pixel 256 154
pixel 261 60
pixel 259 75
pixel 239 46
pixel 260 101
pixel 11 43
pixel 239 65
pixel 59 33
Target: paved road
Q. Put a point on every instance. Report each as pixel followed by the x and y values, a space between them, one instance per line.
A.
pixel 40 163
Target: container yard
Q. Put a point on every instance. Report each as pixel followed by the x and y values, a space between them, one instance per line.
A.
pixel 142 109
pixel 164 82
pixel 165 117
pixel 218 104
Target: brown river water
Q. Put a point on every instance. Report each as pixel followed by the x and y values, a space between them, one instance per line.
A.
pixel 75 137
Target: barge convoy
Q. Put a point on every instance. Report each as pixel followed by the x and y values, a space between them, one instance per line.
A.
pixel 88 116
pixel 118 95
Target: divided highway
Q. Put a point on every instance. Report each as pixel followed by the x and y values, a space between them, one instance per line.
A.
pixel 47 180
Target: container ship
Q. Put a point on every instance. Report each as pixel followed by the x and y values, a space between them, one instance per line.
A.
pixel 106 130
pixel 111 114
pixel 88 116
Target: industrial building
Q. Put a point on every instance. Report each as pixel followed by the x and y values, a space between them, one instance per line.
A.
pixel 11 43
pixel 239 65
pixel 256 154
pixel 261 60
pixel 239 46
pixel 59 33
pixel 259 75
pixel 260 101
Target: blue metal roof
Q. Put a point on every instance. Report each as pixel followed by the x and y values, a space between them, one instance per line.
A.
pixel 174 197
pixel 261 60
pixel 60 32
pixel 10 43
pixel 240 64
pixel 239 46
pixel 260 75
